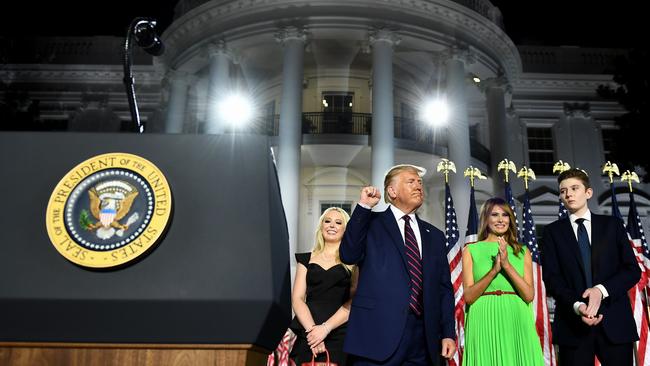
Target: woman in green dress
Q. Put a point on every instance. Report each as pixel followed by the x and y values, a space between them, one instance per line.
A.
pixel 498 289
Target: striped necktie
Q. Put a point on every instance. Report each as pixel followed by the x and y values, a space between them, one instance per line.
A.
pixel 414 265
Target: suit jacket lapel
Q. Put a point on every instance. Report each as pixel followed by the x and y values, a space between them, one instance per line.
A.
pixel 572 244
pixel 427 251
pixel 598 242
pixel 391 226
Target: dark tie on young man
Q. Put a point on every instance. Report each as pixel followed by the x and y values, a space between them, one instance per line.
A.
pixel 585 249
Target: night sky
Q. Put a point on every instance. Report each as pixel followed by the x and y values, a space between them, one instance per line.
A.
pixel 550 22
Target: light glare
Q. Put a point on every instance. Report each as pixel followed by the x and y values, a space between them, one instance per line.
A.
pixel 236 110
pixel 435 112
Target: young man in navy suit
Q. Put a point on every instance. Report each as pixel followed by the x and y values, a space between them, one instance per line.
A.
pixel 589 266
pixel 402 311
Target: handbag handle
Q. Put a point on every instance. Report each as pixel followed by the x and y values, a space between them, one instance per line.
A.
pixel 327 359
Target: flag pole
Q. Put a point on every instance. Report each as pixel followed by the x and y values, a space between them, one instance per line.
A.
pixel 610 169
pixel 454 259
pixel 507 166
pixel 560 166
pixel 445 166
pixel 473 173
pixel 526 174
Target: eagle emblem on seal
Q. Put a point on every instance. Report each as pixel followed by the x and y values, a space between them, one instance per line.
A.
pixel 110 203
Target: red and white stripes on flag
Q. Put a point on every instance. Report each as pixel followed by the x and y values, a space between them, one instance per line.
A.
pixel 639 293
pixel 542 321
pixel 454 257
pixel 638 300
pixel 280 357
pixel 540 306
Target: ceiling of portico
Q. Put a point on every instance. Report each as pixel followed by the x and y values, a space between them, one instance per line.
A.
pixel 415 65
pixel 338 33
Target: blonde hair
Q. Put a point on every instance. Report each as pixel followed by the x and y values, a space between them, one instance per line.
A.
pixel 397 170
pixel 511 234
pixel 319 246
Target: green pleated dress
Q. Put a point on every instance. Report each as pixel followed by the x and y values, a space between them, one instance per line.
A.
pixel 499 329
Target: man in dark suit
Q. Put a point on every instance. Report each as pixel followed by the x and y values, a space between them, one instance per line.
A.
pixel 589 266
pixel 402 311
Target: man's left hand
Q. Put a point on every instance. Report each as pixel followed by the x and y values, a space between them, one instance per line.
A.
pixel 448 348
pixel 593 296
pixel 592 321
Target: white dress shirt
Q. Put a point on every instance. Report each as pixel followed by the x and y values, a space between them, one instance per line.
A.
pixel 574 226
pixel 399 217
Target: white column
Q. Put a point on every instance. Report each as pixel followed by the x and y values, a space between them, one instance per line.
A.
pixel 458 130
pixel 584 132
pixel 290 134
pixel 515 136
pixel 218 86
pixel 382 135
pixel 495 90
pixel 176 107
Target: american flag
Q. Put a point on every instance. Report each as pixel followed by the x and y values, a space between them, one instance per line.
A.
pixel 562 212
pixel 638 294
pixel 511 201
pixel 280 357
pixel 615 211
pixel 540 307
pixel 454 256
pixel 471 235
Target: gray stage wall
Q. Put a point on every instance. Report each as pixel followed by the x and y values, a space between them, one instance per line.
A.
pixel 219 275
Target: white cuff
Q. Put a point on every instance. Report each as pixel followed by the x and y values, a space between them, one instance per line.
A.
pixel 364 206
pixel 603 290
pixel 576 305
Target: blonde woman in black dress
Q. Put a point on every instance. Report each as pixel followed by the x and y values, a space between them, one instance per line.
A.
pixel 322 293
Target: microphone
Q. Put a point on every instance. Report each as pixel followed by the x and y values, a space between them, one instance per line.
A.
pixel 146 37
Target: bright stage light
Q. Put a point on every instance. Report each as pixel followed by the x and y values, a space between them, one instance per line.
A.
pixel 236 110
pixel 435 112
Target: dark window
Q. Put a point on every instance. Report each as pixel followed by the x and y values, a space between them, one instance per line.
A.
pixel 337 112
pixel 407 127
pixel 609 140
pixel 540 150
pixel 346 206
pixel 337 102
pixel 407 112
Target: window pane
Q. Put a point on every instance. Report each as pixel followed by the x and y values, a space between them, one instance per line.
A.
pixel 346 206
pixel 609 138
pixel 540 150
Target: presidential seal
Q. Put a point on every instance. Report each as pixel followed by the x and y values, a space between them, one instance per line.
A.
pixel 108 210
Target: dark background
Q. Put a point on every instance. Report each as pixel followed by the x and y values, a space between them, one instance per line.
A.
pixel 550 22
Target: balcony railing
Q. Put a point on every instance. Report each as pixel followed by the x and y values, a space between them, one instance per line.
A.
pixel 360 124
pixel 317 123
pixel 340 123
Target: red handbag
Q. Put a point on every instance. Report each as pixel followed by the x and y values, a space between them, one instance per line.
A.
pixel 320 363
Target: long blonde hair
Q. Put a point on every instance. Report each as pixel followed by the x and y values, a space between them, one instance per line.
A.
pixel 319 246
pixel 511 234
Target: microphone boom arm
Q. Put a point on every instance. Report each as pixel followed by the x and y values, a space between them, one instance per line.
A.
pixel 129 81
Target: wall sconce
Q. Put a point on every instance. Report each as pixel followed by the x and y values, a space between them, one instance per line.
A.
pixel 473 77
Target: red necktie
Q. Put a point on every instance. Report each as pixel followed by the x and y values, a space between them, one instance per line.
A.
pixel 414 265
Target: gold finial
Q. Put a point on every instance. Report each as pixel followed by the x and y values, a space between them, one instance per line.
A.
pixel 446 166
pixel 628 177
pixel 506 165
pixel 527 174
pixel 610 169
pixel 473 173
pixel 560 166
